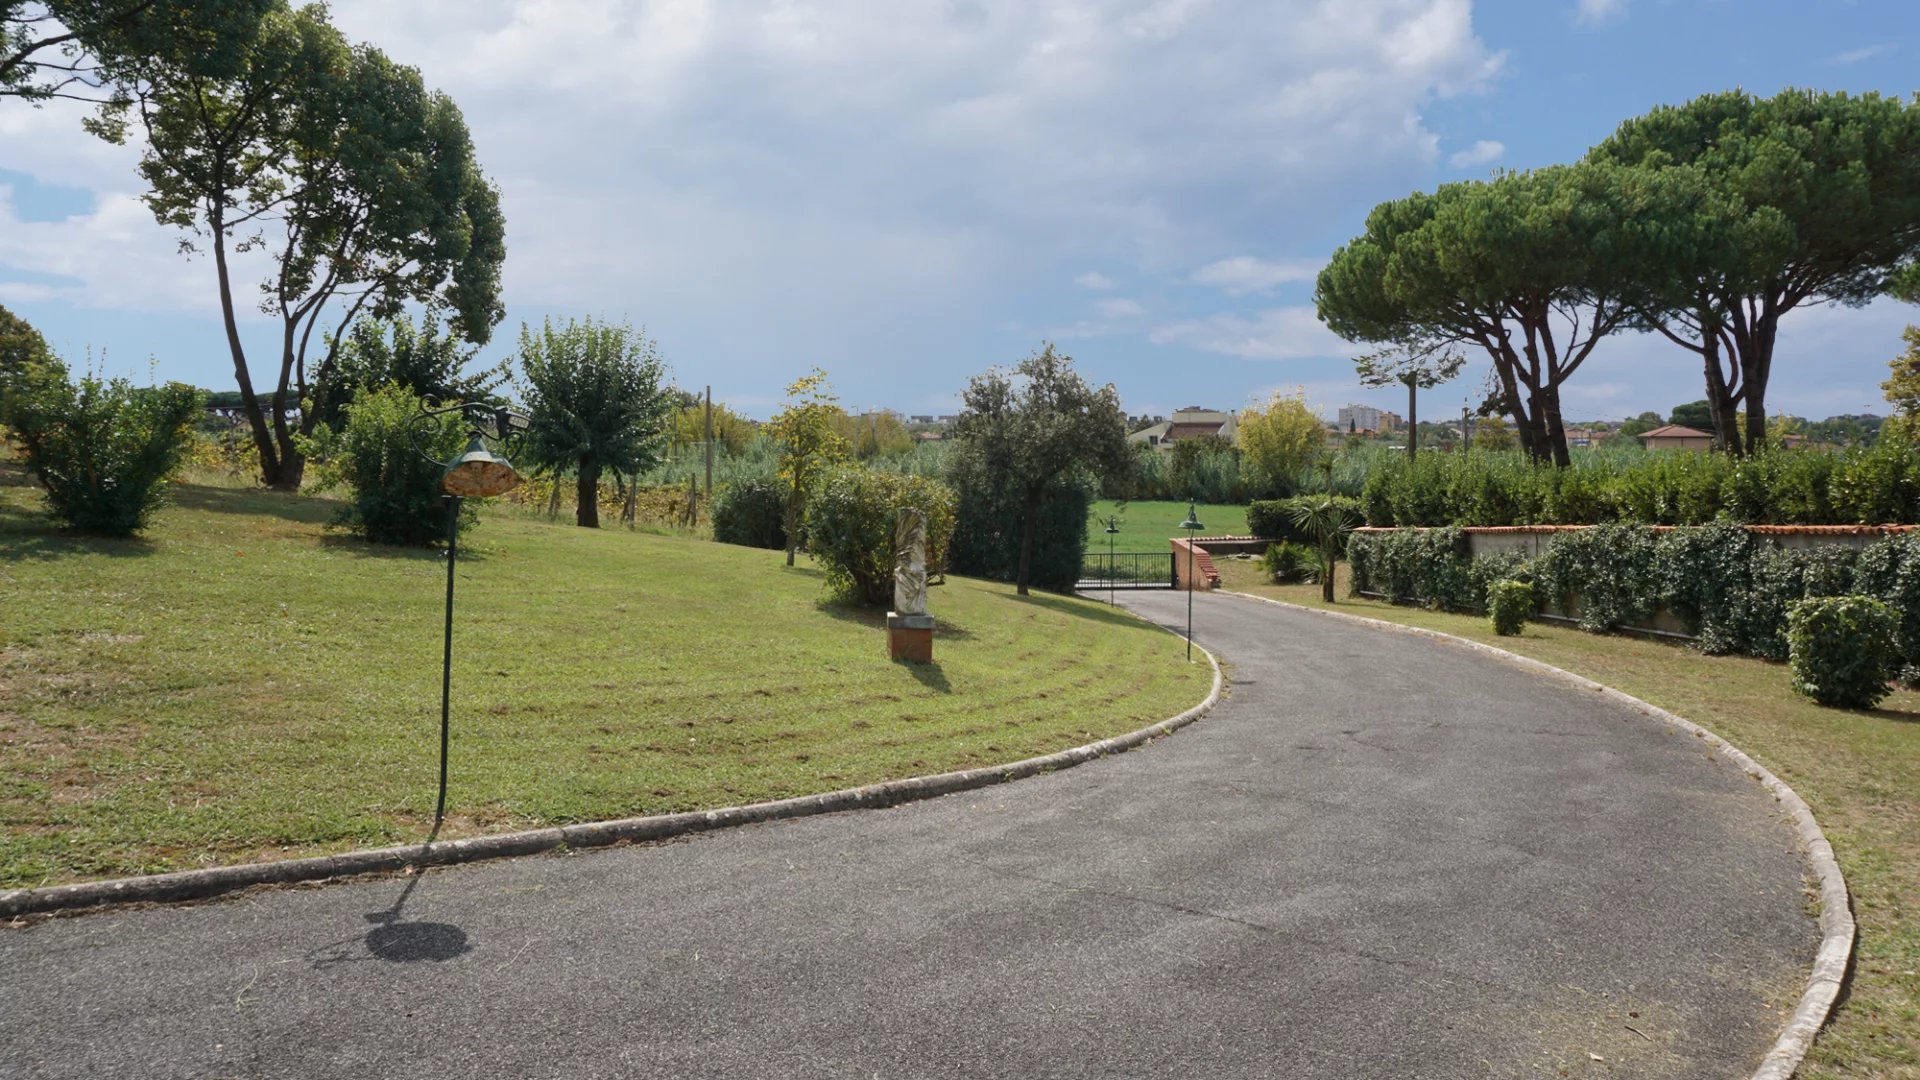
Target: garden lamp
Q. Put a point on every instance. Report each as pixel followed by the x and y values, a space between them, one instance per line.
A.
pixel 1113 569
pixel 1191 525
pixel 477 473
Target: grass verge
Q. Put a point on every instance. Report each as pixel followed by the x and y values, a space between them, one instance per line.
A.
pixel 1859 771
pixel 1147 524
pixel 242 684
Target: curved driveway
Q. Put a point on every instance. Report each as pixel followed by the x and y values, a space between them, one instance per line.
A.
pixel 1380 856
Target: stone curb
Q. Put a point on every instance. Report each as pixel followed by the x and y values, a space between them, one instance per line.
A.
pixel 200 884
pixel 1836 913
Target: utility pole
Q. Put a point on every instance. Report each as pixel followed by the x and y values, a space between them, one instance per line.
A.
pixel 709 443
pixel 1466 429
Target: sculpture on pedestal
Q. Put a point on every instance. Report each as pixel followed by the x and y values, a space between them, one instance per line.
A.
pixel 909 627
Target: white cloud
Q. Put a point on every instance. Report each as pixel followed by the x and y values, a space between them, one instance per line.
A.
pixel 1119 309
pixel 1484 152
pixel 772 182
pixel 1245 274
pixel 1288 333
pixel 1854 56
pixel 1596 12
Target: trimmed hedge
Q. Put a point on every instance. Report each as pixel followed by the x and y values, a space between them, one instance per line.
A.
pixel 1731 589
pixel 1865 485
pixel 986 535
pixel 1842 649
pixel 752 513
pixel 1272 519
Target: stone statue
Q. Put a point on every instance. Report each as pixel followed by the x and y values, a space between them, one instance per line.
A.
pixel 910 562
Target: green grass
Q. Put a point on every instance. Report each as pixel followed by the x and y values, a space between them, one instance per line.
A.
pixel 1147 525
pixel 1859 771
pixel 242 684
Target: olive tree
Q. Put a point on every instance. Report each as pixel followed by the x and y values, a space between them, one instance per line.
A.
pixel 1025 428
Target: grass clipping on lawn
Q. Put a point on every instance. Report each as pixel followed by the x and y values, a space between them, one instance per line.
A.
pixel 1858 770
pixel 242 685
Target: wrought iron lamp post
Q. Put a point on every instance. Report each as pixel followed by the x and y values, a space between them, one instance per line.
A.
pixel 1113 568
pixel 476 473
pixel 1191 525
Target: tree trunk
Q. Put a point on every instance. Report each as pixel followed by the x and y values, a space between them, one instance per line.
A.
pixel 791 520
pixel 1327 565
pixel 587 514
pixel 256 416
pixel 1556 427
pixel 1721 401
pixel 1413 424
pixel 1756 362
pixel 1031 525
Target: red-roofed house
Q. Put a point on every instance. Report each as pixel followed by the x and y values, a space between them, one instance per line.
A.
pixel 1675 437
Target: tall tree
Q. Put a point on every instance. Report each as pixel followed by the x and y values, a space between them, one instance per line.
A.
pixel 805 429
pixel 1818 200
pixel 358 182
pixel 598 399
pixel 1903 388
pixel 73 48
pixel 1036 423
pixel 1535 269
pixel 1417 368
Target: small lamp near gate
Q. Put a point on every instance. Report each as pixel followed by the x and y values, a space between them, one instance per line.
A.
pixel 476 474
pixel 1191 526
pixel 1113 568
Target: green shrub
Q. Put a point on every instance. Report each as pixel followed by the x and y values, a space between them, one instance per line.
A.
pixel 1842 649
pixel 1609 569
pixel 1511 605
pixel 1273 519
pixel 988 524
pixel 102 450
pixel 751 512
pixel 1889 571
pixel 850 528
pixel 395 492
pixel 1288 563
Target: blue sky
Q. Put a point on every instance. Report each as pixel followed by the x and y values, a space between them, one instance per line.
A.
pixel 908 193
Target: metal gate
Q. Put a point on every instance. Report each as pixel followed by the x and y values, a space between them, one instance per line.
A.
pixel 1126 570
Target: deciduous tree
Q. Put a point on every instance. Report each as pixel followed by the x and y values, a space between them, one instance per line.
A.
pixel 358 182
pixel 1026 427
pixel 74 48
pixel 1277 441
pixel 597 398
pixel 804 428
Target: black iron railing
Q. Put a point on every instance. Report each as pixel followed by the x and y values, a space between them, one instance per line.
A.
pixel 1128 569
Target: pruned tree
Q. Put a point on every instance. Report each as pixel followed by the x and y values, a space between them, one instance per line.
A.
pixel 598 399
pixel 358 182
pixel 1815 197
pixel 74 48
pixel 809 445
pixel 1417 368
pixel 1535 269
pixel 1024 428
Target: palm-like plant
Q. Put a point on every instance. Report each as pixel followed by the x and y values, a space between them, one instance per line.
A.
pixel 1328 523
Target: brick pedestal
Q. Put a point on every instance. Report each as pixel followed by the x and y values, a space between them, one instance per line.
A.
pixel 910 638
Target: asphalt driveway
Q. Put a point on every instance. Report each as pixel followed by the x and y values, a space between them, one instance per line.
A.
pixel 1380 856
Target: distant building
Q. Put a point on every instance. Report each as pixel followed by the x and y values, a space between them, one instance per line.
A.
pixel 1585 436
pixel 1366 418
pixel 1676 437
pixel 923 421
pixel 1191 422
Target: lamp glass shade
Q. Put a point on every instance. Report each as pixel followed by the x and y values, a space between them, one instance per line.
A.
pixel 1111 527
pixel 479 473
pixel 1193 520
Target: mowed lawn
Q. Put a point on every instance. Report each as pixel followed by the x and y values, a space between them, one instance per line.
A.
pixel 1147 524
pixel 1858 770
pixel 242 684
